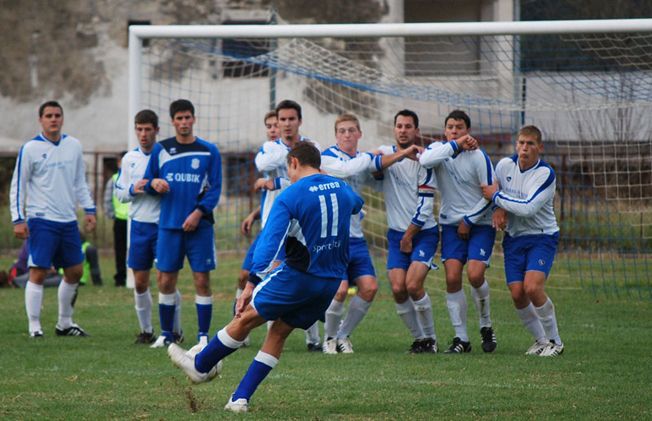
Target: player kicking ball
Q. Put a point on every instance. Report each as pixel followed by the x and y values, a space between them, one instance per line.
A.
pixel 311 219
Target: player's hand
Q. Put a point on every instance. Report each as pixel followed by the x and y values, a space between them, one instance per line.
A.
pixel 89 223
pixel 412 152
pixel 245 227
pixel 499 219
pixel 21 231
pixel 467 143
pixel 244 299
pixel 264 184
pixel 191 222
pixel 463 230
pixel 160 186
pixel 488 191
pixel 139 187
pixel 406 244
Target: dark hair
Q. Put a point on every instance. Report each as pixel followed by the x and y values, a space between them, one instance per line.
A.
pixel 531 131
pixel 408 113
pixel 306 153
pixel 459 115
pixel 269 114
pixel 289 104
pixel 41 109
pixel 181 105
pixel 146 117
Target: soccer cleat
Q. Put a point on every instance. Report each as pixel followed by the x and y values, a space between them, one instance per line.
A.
pixel 145 338
pixel 345 346
pixel 186 362
pixel 429 345
pixel 36 334
pixel 458 347
pixel 330 346
pixel 314 347
pixel 73 330
pixel 552 350
pixel 238 406
pixel 488 339
pixel 160 342
pixel 536 348
pixel 416 347
pixel 178 337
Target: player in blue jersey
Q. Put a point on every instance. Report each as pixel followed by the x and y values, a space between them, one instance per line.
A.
pixel 524 191
pixel 48 182
pixel 467 236
pixel 311 219
pixel 186 172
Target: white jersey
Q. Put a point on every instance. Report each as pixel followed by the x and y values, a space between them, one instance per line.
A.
pixel 49 181
pixel 459 176
pixel 528 196
pixel 143 207
pixel 355 170
pixel 409 191
pixel 271 163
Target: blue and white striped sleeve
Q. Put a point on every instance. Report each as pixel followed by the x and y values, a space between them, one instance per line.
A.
pixel 485 176
pixel 426 193
pixel 540 190
pixel 436 153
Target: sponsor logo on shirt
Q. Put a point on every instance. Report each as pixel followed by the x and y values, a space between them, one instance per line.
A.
pixel 325 186
pixel 182 177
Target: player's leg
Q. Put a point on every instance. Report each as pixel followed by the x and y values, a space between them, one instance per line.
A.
pixel 34 300
pixel 140 260
pixel 70 257
pixel 333 317
pixel 457 306
pixel 358 308
pixel 200 249
pixel 204 304
pixel 143 306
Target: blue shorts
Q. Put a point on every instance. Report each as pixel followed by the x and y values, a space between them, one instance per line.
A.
pixel 53 244
pixel 528 252
pixel 173 245
pixel 360 263
pixel 248 261
pixel 478 247
pixel 298 298
pixel 142 245
pixel 424 246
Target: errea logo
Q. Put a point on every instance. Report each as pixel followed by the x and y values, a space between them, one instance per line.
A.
pixel 313 188
pixel 169 177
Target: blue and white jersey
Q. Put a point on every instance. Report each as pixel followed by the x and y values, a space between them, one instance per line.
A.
pixel 194 173
pixel 459 177
pixel 49 181
pixel 355 170
pixel 271 163
pixel 409 191
pixel 528 196
pixel 311 219
pixel 143 207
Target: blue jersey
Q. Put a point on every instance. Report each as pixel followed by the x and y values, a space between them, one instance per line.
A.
pixel 194 173
pixel 311 218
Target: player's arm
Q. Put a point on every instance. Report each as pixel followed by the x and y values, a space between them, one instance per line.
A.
pixel 123 188
pixel 334 166
pixel 19 181
pixel 270 156
pixel 384 160
pixel 248 222
pixel 83 194
pixel 425 202
pixel 154 184
pixel 271 239
pixel 211 197
pixel 485 175
pixel 540 191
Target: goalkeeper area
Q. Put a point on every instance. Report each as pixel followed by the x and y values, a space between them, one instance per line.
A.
pixel 587 86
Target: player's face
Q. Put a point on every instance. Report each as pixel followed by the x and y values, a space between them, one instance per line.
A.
pixel 405 131
pixel 455 129
pixel 183 122
pixel 146 134
pixel 271 128
pixel 52 122
pixel 347 135
pixel 528 150
pixel 288 123
pixel 293 170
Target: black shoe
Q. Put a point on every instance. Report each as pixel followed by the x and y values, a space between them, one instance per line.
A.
pixel 416 347
pixel 145 338
pixel 429 345
pixel 488 339
pixel 178 337
pixel 73 330
pixel 458 347
pixel 313 347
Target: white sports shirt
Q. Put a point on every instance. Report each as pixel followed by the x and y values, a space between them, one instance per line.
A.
pixel 143 207
pixel 528 196
pixel 409 191
pixel 49 181
pixel 459 176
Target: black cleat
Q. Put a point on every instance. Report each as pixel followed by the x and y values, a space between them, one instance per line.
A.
pixel 458 347
pixel 314 347
pixel 73 330
pixel 488 339
pixel 416 347
pixel 429 345
pixel 37 334
pixel 145 338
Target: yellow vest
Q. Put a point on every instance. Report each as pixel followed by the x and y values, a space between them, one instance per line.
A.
pixel 120 209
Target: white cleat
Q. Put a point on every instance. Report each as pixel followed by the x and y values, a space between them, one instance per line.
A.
pixel 330 346
pixel 536 348
pixel 552 350
pixel 345 346
pixel 160 342
pixel 186 363
pixel 203 341
pixel 238 406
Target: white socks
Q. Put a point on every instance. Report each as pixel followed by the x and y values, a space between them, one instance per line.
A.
pixel 423 308
pixel 358 308
pixel 481 299
pixel 144 310
pixel 33 302
pixel 332 318
pixel 407 313
pixel 66 294
pixel 531 322
pixel 457 308
pixel 549 321
pixel 312 334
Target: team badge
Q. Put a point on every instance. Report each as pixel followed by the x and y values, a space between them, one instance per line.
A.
pixel 542 262
pixel 194 164
pixel 509 179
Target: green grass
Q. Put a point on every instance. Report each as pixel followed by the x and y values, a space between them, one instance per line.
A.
pixel 604 373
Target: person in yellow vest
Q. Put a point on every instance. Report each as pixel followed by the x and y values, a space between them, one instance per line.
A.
pixel 119 212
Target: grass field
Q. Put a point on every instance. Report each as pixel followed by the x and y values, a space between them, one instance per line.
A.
pixel 605 372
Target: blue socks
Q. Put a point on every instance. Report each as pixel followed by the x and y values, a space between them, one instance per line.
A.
pixel 262 364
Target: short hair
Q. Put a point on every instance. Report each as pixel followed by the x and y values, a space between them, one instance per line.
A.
pixel 408 113
pixel 532 131
pixel 269 115
pixel 458 115
pixel 181 105
pixel 41 109
pixel 347 117
pixel 306 153
pixel 146 117
pixel 289 104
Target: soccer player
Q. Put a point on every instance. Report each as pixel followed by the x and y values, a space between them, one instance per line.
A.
pixel 524 191
pixel 186 172
pixel 271 162
pixel 465 219
pixel 311 219
pixel 144 211
pixel 48 182
pixel 413 233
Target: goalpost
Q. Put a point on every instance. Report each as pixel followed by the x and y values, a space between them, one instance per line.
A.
pixel 587 84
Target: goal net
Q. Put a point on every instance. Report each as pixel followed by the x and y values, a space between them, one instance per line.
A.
pixel 590 93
